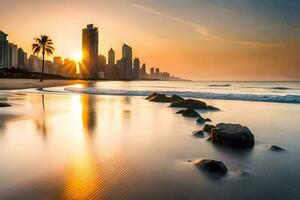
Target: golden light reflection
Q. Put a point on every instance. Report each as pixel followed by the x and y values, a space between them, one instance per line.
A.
pixel 81 179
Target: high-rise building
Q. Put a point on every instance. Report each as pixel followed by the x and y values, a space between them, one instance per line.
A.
pixel 13 55
pixel 22 59
pixel 152 71
pixel 111 57
pixel 4 51
pixel 127 61
pixel 89 51
pixel 143 71
pixel 57 65
pixel 136 68
pixel 101 62
pixel 157 71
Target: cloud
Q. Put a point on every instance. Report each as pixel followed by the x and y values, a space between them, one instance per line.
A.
pixel 204 32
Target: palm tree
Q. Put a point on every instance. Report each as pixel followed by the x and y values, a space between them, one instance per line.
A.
pixel 45 45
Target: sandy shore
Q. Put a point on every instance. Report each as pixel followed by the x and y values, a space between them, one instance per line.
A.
pixel 10 84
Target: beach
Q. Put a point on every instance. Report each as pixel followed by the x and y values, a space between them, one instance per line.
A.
pixel 104 140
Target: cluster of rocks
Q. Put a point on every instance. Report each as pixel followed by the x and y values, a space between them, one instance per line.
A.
pixel 231 135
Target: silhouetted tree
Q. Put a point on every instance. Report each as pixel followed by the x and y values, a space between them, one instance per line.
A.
pixel 44 45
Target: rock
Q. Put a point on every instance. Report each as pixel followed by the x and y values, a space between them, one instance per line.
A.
pixel 193 104
pixel 208 139
pixel 201 120
pixel 162 98
pixel 207 128
pixel 198 134
pixel 212 108
pixel 4 105
pixel 190 113
pixel 275 148
pixel 180 112
pixel 152 95
pixel 212 166
pixel 233 135
pixel 175 98
pixel 208 120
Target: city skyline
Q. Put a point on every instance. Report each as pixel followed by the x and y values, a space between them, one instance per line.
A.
pixel 205 40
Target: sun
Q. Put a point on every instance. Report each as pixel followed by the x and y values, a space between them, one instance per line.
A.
pixel 77 56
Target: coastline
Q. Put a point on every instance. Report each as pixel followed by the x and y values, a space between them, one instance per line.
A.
pixel 14 84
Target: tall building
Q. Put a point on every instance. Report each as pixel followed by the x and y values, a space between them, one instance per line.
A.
pixel 89 51
pixel 22 59
pixel 4 51
pixel 143 71
pixel 13 55
pixel 127 61
pixel 111 57
pixel 136 68
pixel 57 64
pixel 157 71
pixel 101 62
pixel 152 71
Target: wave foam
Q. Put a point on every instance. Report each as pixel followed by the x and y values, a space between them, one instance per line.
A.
pixel 188 94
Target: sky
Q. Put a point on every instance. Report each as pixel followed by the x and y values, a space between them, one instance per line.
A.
pixel 193 39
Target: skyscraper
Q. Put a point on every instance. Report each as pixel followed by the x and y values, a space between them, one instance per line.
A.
pixel 13 55
pixel 89 51
pixel 136 68
pixel 143 71
pixel 4 51
pixel 152 71
pixel 127 61
pixel 111 57
pixel 22 59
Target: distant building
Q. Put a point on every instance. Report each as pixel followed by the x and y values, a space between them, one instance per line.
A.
pixel 57 64
pixel 33 64
pixel 143 72
pixel 4 51
pixel 127 61
pixel 152 71
pixel 68 69
pixel 157 72
pixel 89 51
pixel 22 59
pixel 101 62
pixel 136 68
pixel 111 57
pixel 13 55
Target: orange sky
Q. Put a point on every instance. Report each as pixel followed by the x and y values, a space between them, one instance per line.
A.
pixel 196 40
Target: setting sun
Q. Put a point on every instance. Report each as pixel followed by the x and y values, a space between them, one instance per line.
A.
pixel 77 56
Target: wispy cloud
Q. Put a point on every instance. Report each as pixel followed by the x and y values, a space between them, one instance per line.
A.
pixel 204 32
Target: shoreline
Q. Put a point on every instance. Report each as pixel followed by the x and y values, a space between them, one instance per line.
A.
pixel 15 84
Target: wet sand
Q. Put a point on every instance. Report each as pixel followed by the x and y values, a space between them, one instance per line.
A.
pixel 116 147
pixel 11 84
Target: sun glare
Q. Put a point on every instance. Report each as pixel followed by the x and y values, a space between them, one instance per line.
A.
pixel 77 56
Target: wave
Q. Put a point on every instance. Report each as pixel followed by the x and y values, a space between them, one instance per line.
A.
pixel 188 94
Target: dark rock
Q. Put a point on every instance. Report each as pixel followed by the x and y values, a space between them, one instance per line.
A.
pixel 201 120
pixel 208 120
pixel 212 166
pixel 180 112
pixel 175 98
pixel 233 135
pixel 198 134
pixel 162 98
pixel 212 108
pixel 152 95
pixel 190 113
pixel 208 139
pixel 276 148
pixel 193 104
pixel 4 105
pixel 207 128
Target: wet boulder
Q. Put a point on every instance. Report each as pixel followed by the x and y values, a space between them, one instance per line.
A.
pixel 198 134
pixel 190 113
pixel 192 104
pixel 180 112
pixel 162 98
pixel 4 105
pixel 152 95
pixel 232 135
pixel 212 166
pixel 202 120
pixel 275 148
pixel 175 98
pixel 207 128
